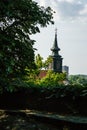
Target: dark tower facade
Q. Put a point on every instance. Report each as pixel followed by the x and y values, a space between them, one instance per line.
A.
pixel 57 59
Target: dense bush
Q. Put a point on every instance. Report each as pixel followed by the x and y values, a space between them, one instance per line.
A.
pixel 52 83
pixel 49 94
pixel 62 99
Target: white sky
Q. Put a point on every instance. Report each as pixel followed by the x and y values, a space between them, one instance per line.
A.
pixel 71 22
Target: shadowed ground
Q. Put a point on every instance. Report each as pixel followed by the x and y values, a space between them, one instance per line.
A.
pixel 22 122
pixel 36 120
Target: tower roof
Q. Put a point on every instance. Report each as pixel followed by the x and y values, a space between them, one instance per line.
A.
pixel 55 45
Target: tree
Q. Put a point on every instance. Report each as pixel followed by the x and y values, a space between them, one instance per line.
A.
pixel 78 79
pixel 47 62
pixel 18 20
pixel 39 61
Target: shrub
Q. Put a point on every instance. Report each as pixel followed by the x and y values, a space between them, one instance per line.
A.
pixel 52 79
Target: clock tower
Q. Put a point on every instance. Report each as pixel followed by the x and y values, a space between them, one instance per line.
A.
pixel 56 58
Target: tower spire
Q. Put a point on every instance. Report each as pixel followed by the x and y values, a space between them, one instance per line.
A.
pixel 55 49
pixel 55 31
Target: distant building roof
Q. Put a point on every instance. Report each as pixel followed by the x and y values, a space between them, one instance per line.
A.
pixel 42 73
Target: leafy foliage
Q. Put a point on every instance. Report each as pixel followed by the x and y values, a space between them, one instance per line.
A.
pixel 53 86
pixel 78 79
pixel 52 79
pixel 47 62
pixel 39 61
pixel 18 20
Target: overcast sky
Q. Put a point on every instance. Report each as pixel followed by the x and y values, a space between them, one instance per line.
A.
pixel 71 21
